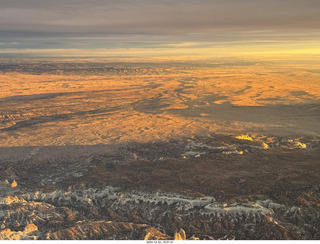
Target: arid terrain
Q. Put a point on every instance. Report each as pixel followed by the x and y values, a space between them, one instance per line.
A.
pixel 222 149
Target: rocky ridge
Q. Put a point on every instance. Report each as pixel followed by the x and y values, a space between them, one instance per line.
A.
pixel 245 187
pixel 113 214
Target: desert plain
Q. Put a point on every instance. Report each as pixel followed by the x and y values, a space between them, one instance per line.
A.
pixel 216 149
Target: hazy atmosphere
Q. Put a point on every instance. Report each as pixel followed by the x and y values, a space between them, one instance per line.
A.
pixel 187 24
pixel 159 120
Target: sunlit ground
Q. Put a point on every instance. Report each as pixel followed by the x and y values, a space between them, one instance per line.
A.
pixel 169 101
pixel 243 133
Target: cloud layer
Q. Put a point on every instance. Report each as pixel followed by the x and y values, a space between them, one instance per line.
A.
pixel 149 23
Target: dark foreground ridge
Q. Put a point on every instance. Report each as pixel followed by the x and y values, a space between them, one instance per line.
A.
pixel 213 188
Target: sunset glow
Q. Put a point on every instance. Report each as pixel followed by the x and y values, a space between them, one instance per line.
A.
pixel 159 120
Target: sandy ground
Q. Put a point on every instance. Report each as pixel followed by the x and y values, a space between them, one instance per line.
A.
pixel 141 103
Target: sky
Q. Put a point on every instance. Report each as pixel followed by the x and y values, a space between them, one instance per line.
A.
pixel 159 24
